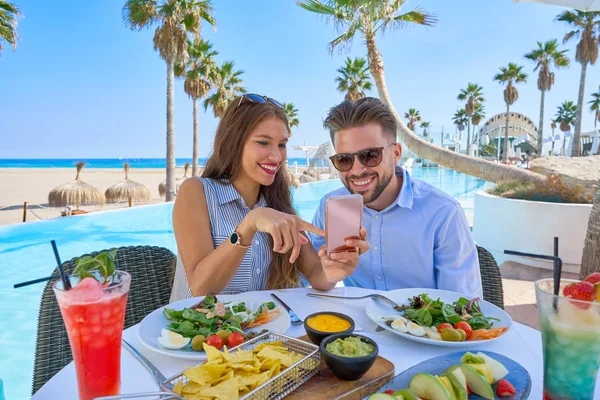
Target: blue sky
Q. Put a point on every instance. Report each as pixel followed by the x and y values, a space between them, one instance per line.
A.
pixel 81 84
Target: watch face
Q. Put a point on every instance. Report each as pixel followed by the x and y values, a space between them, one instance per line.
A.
pixel 234 238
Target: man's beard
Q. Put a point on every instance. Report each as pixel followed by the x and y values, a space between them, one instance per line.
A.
pixel 373 193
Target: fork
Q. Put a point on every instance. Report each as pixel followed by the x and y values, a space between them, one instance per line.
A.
pixel 379 297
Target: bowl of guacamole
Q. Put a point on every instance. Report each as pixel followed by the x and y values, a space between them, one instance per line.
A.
pixel 349 356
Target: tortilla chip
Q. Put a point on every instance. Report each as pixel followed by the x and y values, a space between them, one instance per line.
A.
pixel 212 353
pixel 193 388
pixel 177 388
pixel 269 363
pixel 267 352
pixel 227 390
pixel 239 356
pixel 205 373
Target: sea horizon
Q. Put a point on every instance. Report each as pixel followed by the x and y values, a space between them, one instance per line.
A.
pixel 108 162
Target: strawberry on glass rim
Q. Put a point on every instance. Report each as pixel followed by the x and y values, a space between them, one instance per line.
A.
pixel 587 290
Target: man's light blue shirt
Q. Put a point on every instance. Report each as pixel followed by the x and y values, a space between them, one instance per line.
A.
pixel 422 240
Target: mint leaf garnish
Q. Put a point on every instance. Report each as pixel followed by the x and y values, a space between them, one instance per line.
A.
pixel 104 263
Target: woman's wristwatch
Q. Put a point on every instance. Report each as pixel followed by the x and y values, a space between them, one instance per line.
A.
pixel 236 239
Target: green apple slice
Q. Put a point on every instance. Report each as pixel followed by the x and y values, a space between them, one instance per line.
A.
pixel 429 387
pixel 477 382
pixel 446 382
pixel 381 396
pixel 406 394
pixel 458 385
pixel 499 371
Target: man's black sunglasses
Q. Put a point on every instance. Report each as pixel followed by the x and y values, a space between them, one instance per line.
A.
pixel 370 157
pixel 258 98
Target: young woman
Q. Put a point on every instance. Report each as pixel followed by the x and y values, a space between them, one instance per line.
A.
pixel 235 227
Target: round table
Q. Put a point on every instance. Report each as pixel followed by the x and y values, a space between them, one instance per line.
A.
pixel 522 344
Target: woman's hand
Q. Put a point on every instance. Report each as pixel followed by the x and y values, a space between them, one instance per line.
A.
pixel 339 266
pixel 285 229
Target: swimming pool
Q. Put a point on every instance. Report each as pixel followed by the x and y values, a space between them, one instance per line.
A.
pixel 25 253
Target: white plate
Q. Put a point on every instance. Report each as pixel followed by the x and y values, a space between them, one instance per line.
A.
pixel 150 327
pixel 375 308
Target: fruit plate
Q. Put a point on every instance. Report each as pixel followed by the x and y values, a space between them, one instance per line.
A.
pixel 150 328
pixel 375 310
pixel 517 375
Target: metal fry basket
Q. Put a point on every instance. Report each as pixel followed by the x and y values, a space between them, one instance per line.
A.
pixel 283 383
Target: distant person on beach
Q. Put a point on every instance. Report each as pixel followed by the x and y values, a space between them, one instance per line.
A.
pixel 419 235
pixel 235 227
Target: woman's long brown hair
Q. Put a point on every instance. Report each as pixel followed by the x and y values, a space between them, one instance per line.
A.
pixel 239 119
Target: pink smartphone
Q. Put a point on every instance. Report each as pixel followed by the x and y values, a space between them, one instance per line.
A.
pixel 343 218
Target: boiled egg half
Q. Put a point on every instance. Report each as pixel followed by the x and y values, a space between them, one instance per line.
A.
pixel 171 340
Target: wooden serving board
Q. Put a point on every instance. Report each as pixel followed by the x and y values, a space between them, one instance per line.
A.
pixel 325 385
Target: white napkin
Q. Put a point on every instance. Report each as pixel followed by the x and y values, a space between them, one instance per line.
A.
pixel 304 305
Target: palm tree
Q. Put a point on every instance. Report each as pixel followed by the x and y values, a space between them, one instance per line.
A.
pixel 595 106
pixel 585 26
pixel 546 56
pixel 197 71
pixel 367 18
pixel 413 115
pixel 292 115
pixel 174 20
pixel 227 85
pixel 473 94
pixel 566 116
pixel 354 78
pixel 590 261
pixel 460 119
pixel 425 126
pixel 510 76
pixel 9 15
pixel 476 118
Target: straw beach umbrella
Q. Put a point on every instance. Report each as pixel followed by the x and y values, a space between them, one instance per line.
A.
pixel 162 187
pixel 127 190
pixel 75 193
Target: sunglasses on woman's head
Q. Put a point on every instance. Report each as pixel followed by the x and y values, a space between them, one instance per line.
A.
pixel 370 157
pixel 257 98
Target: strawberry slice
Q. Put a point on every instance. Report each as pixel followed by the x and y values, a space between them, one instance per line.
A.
pixel 583 291
pixel 389 391
pixel 469 391
pixel 505 388
pixel 593 278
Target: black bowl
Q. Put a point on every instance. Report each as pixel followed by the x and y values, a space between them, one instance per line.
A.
pixel 348 368
pixel 316 336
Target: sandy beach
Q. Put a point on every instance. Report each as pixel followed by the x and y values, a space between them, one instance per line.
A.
pixel 32 185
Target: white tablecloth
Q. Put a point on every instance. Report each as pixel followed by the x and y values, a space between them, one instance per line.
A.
pixel 522 344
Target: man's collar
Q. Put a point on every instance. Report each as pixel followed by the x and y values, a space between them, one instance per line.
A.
pixel 405 197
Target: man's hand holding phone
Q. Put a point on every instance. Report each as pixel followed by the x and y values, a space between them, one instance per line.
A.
pixel 340 265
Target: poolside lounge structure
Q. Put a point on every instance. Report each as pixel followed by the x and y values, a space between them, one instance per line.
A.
pixel 162 187
pixel 127 190
pixel 75 193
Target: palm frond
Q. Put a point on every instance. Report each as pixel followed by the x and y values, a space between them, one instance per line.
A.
pixel 139 14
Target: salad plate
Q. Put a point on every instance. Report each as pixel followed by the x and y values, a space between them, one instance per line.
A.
pixel 246 307
pixel 428 308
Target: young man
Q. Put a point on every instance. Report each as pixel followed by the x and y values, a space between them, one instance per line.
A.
pixel 418 235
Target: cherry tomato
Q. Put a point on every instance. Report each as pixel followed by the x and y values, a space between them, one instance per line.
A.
pixel 443 326
pixel 234 339
pixel 465 327
pixel 215 341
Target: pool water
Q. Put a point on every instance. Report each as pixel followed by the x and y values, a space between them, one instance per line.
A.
pixel 26 253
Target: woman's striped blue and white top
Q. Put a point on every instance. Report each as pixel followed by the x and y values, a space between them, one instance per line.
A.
pixel 226 209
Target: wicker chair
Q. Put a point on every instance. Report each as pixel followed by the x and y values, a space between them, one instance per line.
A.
pixel 490 278
pixel 151 269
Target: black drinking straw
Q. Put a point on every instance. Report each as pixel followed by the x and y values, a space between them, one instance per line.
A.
pixel 557 274
pixel 63 276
